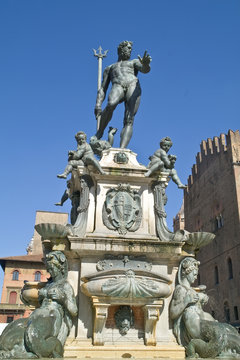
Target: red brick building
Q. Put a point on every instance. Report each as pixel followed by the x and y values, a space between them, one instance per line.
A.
pixel 212 203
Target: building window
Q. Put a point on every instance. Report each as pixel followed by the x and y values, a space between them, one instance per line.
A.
pixel 13 297
pixel 37 276
pixel 15 275
pixel 216 275
pixel 218 222
pixel 236 313
pixel 9 319
pixel 226 312
pixel 230 269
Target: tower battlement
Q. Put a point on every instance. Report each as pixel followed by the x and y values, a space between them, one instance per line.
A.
pixel 223 145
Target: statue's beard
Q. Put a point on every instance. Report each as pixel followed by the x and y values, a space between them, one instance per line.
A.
pixel 125 55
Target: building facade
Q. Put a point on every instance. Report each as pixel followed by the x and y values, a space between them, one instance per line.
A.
pixel 212 204
pixel 17 269
pixel 28 267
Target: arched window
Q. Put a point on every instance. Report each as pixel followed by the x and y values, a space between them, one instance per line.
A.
pixel 15 275
pixel 226 311
pixel 230 269
pixel 37 276
pixel 13 297
pixel 216 275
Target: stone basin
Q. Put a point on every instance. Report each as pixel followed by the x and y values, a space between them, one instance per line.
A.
pixel 54 231
pixel 131 284
pixel 197 240
pixel 29 292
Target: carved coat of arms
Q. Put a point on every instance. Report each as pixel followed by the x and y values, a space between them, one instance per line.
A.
pixel 122 209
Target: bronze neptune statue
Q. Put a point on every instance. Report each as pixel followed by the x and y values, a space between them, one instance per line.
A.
pixel 125 88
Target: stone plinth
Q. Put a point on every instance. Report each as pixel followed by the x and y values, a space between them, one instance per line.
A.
pixel 87 351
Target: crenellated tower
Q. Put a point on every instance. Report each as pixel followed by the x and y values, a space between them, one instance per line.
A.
pixel 212 203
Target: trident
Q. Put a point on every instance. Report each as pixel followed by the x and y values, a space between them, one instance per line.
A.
pixel 100 56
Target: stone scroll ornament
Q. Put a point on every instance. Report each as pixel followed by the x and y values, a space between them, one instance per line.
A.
pixel 162 230
pixel 160 200
pixel 80 204
pixel 196 330
pixel 79 227
pixel 44 333
pixel 122 209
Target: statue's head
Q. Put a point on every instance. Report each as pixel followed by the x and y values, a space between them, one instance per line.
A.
pixel 56 262
pixel 81 137
pixel 93 140
pixel 189 269
pixel 124 50
pixel 166 143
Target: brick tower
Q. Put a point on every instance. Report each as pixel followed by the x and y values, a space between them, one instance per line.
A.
pixel 212 203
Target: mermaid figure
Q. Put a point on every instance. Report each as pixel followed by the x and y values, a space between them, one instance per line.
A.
pixel 200 334
pixel 44 333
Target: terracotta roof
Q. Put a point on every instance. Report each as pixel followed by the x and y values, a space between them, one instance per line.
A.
pixel 23 258
pixel 37 257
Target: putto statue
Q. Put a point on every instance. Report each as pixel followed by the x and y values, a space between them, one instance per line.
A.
pixel 82 156
pixel 161 161
pixel 125 88
pixel 200 334
pixel 44 333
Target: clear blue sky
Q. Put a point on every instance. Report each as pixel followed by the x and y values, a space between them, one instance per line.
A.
pixel 48 81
